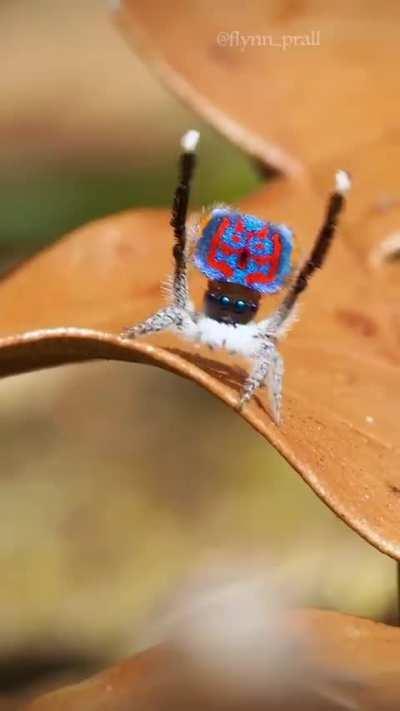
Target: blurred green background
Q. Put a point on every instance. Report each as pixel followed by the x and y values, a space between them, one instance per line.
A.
pixel 107 503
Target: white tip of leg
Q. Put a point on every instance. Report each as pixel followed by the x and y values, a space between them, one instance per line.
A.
pixel 343 182
pixel 190 140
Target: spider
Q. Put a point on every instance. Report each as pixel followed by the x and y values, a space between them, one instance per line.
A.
pixel 243 258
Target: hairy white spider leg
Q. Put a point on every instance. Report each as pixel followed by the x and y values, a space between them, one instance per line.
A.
pixel 275 384
pixel 266 358
pixel 276 327
pixel 160 321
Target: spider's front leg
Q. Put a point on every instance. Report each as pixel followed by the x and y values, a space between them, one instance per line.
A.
pixel 162 320
pixel 267 370
pixel 179 315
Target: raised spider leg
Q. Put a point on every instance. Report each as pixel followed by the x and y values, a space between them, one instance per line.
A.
pixel 180 310
pixel 279 323
pixel 267 369
pixel 180 287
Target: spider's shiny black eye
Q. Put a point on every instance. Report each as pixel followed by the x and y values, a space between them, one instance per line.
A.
pixel 211 296
pixel 253 307
pixel 241 306
pixel 224 301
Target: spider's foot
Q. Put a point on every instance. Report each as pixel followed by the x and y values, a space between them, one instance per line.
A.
pixel 244 399
pixel 130 332
pixel 160 321
pixel 276 414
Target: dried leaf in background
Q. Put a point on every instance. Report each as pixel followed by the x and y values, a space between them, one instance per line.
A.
pixel 355 663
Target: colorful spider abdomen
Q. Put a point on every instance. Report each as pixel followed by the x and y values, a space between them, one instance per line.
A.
pixel 245 250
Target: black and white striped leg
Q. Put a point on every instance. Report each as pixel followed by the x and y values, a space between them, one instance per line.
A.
pixel 280 322
pixel 187 165
pixel 180 311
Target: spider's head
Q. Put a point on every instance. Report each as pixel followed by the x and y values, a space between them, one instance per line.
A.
pixel 230 303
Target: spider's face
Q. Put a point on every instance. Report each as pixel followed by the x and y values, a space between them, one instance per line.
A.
pixel 230 303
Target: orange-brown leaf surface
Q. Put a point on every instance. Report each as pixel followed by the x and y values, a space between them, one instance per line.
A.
pixel 356 664
pixel 306 111
pixel 293 98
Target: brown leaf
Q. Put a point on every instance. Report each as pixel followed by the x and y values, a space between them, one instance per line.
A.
pixel 307 111
pixel 289 107
pixel 358 662
pixel 341 358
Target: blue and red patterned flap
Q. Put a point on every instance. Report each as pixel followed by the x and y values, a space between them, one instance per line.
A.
pixel 242 249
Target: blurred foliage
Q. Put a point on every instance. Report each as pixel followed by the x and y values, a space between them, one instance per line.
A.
pixel 37 207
